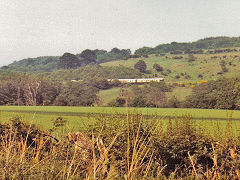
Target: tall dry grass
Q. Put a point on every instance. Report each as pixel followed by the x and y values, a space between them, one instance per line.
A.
pixel 118 147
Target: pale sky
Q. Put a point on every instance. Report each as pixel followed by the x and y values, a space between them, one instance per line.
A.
pixel 32 28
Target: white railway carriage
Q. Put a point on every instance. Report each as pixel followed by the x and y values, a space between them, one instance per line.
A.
pixel 147 80
pixel 127 80
pixel 131 81
pixel 138 81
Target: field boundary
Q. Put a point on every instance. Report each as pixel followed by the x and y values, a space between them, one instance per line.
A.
pixel 92 114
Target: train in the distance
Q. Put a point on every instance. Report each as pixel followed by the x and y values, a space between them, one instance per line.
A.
pixel 138 81
pixel 131 81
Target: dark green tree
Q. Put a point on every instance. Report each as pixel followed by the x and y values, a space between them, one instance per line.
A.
pixel 144 51
pixel 115 51
pixel 11 90
pixel 88 56
pixel 69 61
pixel 220 94
pixel 125 52
pixel 141 66
pixel 155 94
pixel 77 94
pixel 23 89
pixel 150 95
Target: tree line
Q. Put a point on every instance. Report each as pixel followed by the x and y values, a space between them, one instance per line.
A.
pixel 67 60
pixel 87 56
pixel 47 89
pixel 223 93
pixel 44 90
pixel 39 90
pixel 192 47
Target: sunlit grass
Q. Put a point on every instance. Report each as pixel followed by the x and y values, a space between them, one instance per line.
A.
pixel 79 118
pixel 204 64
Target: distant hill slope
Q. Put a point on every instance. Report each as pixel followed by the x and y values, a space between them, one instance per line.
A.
pixel 181 68
pixel 94 71
pixel 39 64
pixel 212 58
pixel 207 43
pixel 50 63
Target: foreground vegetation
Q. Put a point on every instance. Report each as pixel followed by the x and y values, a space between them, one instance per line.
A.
pixel 120 147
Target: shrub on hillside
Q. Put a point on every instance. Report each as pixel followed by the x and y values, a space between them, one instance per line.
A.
pixel 177 77
pixel 115 83
pixel 158 67
pixel 141 66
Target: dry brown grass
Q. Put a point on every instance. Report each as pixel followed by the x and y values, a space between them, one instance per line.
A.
pixel 130 149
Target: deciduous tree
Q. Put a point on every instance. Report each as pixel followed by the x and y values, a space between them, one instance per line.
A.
pixel 69 61
pixel 141 66
pixel 88 56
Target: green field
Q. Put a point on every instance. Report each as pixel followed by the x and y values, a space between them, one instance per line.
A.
pixel 80 111
pixel 82 117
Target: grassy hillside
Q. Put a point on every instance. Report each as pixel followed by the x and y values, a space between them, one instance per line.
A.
pixel 39 64
pixel 106 96
pixel 177 68
pixel 94 72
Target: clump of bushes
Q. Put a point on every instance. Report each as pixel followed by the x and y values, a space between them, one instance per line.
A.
pixel 118 102
pixel 177 57
pixel 158 67
pixel 200 76
pixel 177 77
pixel 141 66
pixel 220 94
pixel 191 58
pixel 149 95
pixel 223 66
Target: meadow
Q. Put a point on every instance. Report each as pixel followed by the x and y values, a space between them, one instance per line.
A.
pixel 162 112
pixel 79 118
